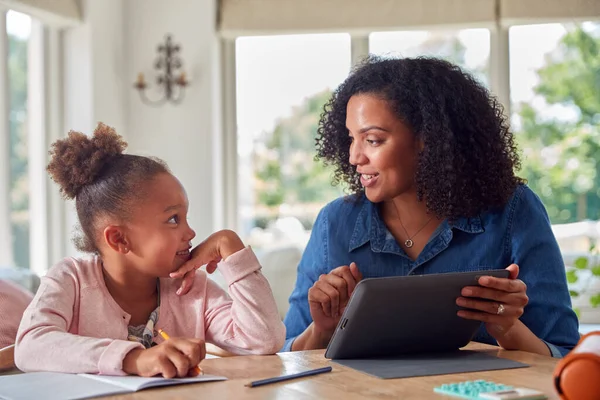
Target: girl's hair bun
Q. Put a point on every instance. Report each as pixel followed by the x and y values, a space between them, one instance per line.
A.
pixel 77 160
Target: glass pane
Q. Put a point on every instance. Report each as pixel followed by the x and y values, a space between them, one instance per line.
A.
pixel 18 27
pixel 282 85
pixel 555 96
pixel 469 48
pixel 555 93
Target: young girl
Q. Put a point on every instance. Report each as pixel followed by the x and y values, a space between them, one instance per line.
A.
pixel 102 315
pixel 13 302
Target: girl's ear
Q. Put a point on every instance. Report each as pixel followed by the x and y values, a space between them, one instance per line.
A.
pixel 114 237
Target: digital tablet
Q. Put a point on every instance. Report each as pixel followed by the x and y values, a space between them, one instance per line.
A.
pixel 405 314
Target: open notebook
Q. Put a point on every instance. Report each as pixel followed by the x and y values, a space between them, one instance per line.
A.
pixel 57 386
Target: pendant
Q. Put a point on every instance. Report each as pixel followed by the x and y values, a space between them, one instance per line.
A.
pixel 408 243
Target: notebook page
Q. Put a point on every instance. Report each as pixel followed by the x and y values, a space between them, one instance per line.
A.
pixel 135 383
pixel 53 386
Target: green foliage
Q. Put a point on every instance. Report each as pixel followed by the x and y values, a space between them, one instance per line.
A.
pixel 285 169
pixel 572 276
pixel 581 263
pixel 595 300
pixel 560 158
pixel 586 264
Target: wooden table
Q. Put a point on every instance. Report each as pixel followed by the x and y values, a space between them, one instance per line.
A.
pixel 342 383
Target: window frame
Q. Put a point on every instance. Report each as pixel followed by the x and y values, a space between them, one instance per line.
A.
pixel 45 122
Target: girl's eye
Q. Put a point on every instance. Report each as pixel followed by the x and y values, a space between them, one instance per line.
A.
pixel 173 220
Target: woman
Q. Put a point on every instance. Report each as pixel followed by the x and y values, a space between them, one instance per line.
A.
pixel 430 160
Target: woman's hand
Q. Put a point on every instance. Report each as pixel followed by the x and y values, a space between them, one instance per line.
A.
pixel 213 249
pixel 505 301
pixel 328 297
pixel 171 358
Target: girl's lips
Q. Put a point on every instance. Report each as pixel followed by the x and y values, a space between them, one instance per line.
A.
pixel 183 254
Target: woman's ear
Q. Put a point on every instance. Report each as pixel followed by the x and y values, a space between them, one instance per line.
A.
pixel 115 238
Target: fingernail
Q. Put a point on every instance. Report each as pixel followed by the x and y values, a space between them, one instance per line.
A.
pixel 484 280
pixel 467 292
pixel 461 313
pixel 178 291
pixel 460 301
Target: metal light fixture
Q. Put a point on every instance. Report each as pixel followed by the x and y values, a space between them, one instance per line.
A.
pixel 171 82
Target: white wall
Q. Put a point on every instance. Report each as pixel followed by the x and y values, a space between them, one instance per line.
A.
pixel 95 79
pixel 184 135
pixel 102 57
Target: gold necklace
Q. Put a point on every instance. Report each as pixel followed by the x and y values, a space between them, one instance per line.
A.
pixel 409 242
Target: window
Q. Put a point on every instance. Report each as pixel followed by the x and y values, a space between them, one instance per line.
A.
pixel 282 85
pixel 554 71
pixel 469 48
pixel 18 27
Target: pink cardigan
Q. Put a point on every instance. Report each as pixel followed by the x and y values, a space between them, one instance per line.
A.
pixel 74 325
pixel 13 302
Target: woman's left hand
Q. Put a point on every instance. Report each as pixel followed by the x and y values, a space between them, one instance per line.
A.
pixel 504 301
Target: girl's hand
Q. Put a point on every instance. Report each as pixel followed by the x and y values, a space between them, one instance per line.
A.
pixel 505 301
pixel 213 249
pixel 328 297
pixel 171 358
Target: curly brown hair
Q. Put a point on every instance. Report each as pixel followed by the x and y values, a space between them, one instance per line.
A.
pixel 469 157
pixel 102 180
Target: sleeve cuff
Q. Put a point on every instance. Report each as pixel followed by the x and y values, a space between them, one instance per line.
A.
pixel 554 350
pixel 287 346
pixel 239 265
pixel 111 360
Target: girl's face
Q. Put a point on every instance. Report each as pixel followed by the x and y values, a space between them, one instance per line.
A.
pixel 384 150
pixel 158 233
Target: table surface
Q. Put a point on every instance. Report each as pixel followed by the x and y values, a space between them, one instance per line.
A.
pixel 343 383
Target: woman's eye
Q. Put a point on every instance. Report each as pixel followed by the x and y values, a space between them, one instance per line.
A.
pixel 173 220
pixel 374 142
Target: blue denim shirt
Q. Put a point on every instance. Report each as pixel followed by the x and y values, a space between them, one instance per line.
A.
pixel 347 231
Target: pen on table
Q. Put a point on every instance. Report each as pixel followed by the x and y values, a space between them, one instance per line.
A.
pixel 196 369
pixel 288 377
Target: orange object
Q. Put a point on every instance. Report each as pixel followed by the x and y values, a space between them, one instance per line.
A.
pixel 577 376
pixel 196 370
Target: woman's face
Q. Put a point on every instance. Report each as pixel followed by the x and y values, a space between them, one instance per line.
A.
pixel 383 150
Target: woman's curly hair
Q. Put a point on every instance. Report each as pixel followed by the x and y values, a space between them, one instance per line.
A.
pixel 469 157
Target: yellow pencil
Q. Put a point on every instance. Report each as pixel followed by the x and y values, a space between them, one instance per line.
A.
pixel 196 369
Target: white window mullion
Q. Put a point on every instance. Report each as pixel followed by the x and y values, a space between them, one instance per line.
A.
pixel 6 247
pixel 500 65
pixel 37 149
pixel 359 48
pixel 57 235
pixel 230 154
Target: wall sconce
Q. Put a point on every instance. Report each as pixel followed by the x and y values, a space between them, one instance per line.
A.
pixel 171 84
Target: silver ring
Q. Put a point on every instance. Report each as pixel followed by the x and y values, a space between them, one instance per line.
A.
pixel 500 309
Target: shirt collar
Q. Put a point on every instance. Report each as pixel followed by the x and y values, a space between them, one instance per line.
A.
pixel 370 227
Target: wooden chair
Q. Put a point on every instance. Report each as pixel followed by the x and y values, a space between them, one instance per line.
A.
pixel 7 358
